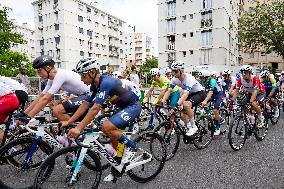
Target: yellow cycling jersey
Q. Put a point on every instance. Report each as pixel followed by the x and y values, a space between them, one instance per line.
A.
pixel 164 84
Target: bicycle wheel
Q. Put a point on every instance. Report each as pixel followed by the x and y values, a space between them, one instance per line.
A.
pixel 171 138
pixel 205 132
pixel 156 147
pixel 237 133
pixel 226 116
pixel 13 173
pixel 56 173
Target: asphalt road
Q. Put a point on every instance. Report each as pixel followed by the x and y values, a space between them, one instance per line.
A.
pixel 256 165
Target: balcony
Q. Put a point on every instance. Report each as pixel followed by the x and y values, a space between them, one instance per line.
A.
pixel 55 7
pixel 206 23
pixel 113 54
pixel 171 46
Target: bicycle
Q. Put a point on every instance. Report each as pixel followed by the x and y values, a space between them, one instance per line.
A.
pixel 269 111
pixel 89 144
pixel 172 129
pixel 244 125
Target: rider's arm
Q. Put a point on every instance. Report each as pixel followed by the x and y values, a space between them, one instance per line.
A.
pixel 81 110
pixel 209 95
pixel 41 103
pixel 33 103
pixel 212 85
pixel 183 98
pixel 149 93
pixel 274 86
pixel 253 96
pixel 89 117
pixel 238 86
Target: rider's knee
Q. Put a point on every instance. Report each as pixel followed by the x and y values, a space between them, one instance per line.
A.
pixel 58 110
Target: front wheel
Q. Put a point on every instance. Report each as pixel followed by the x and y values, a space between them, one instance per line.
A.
pixel 205 132
pixel 157 150
pixel 237 133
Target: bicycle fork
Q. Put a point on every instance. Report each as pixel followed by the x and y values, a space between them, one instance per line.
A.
pixel 30 153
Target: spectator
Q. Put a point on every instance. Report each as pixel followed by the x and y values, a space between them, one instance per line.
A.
pixel 134 76
pixel 23 78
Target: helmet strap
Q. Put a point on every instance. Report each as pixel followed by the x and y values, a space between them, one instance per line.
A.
pixel 48 71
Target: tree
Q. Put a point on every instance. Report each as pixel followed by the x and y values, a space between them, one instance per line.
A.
pixel 149 63
pixel 10 61
pixel 263 27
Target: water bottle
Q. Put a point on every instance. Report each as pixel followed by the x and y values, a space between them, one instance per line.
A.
pixel 181 123
pixel 251 118
pixel 63 140
pixel 110 150
pixel 135 129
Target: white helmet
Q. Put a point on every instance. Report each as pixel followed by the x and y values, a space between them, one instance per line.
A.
pixel 214 74
pixel 177 66
pixel 168 70
pixel 205 73
pixel 282 72
pixel 246 68
pixel 117 74
pixel 264 73
pixel 86 65
pixel 154 71
pixel 227 72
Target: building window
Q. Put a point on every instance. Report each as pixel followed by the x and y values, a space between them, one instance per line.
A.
pixel 81 30
pixel 171 8
pixel 90 54
pixel 40 18
pixel 41 42
pixel 88 10
pixel 184 53
pixel 42 53
pixel 274 65
pixel 56 26
pixel 172 26
pixel 81 41
pixel 262 53
pixel 80 18
pixel 184 18
pixel 57 40
pixel 191 52
pixel 184 35
pixel 191 16
pixel 171 57
pixel 206 38
pixel 81 53
pixel 206 56
pixel 89 33
pixel 58 65
pixel 55 1
pixel 207 4
pixel 40 6
pixel 206 20
pixel 274 54
pixel 191 34
pixel 251 55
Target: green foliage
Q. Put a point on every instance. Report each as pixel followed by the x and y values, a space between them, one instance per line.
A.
pixel 264 27
pixel 10 62
pixel 149 63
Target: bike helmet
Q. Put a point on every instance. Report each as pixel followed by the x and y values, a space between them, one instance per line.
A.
pixel 154 71
pixel 168 70
pixel 117 74
pixel 227 72
pixel 43 60
pixel 205 73
pixel 86 65
pixel 238 75
pixel 264 73
pixel 177 66
pixel 246 68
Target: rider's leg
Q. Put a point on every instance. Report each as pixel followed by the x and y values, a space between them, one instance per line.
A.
pixel 60 113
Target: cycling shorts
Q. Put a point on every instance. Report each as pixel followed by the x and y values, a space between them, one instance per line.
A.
pixel 23 97
pixel 259 98
pixel 173 99
pixel 72 105
pixel 196 98
pixel 218 99
pixel 126 115
pixel 8 103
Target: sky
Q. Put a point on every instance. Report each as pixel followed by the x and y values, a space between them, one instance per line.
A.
pixel 141 13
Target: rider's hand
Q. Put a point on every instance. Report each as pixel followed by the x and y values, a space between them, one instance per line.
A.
pixel 145 100
pixel 73 133
pixel 64 124
pixel 156 101
pixel 204 103
pixel 180 107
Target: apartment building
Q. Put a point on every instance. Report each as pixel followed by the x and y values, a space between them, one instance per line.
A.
pixel 28 48
pixel 259 58
pixel 69 30
pixel 201 33
pixel 138 48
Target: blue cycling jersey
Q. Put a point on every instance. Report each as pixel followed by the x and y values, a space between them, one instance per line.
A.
pixel 112 90
pixel 212 85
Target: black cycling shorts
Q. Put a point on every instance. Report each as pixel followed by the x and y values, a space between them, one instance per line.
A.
pixel 196 98
pixel 23 97
pixel 71 106
pixel 259 98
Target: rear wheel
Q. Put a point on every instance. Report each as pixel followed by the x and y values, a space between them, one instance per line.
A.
pixel 237 133
pixel 205 132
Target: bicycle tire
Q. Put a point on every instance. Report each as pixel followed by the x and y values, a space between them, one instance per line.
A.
pixel 226 116
pixel 167 136
pixel 25 142
pixel 49 166
pixel 240 130
pixel 160 161
pixel 260 136
pixel 202 131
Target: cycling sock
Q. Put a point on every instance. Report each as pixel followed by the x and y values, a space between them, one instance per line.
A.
pixel 129 143
pixel 217 124
pixel 192 122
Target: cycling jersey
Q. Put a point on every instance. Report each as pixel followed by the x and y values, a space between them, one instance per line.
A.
pixel 133 87
pixel 254 84
pixel 112 90
pixel 68 81
pixel 164 83
pixel 212 85
pixel 5 89
pixel 269 84
pixel 13 83
pixel 188 84
pixel 227 83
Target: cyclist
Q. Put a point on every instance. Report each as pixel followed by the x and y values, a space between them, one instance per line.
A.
pixel 57 79
pixel 271 89
pixel 8 103
pixel 255 89
pixel 20 90
pixel 215 93
pixel 193 94
pixel 228 80
pixel 106 88
pixel 169 73
pixel 163 83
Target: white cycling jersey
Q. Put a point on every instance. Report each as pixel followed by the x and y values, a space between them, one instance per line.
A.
pixel 5 89
pixel 68 81
pixel 189 84
pixel 133 87
pixel 14 84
